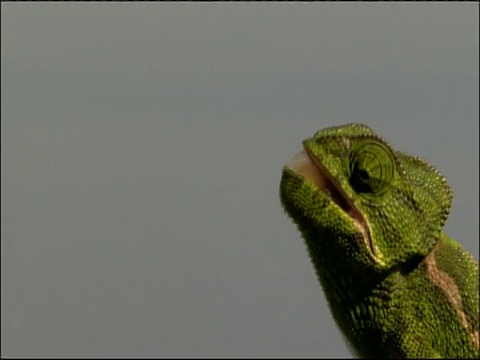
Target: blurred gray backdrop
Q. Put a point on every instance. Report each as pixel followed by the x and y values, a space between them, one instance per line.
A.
pixel 142 148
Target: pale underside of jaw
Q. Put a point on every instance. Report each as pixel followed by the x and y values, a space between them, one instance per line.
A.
pixel 309 167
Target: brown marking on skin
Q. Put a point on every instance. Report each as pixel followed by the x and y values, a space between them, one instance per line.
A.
pixel 443 281
pixel 476 339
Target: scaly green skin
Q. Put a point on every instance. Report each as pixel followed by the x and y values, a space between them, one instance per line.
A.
pixel 372 220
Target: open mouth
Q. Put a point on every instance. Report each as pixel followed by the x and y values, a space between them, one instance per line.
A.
pixel 307 165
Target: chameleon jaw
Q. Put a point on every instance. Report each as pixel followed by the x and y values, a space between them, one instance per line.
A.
pixel 307 165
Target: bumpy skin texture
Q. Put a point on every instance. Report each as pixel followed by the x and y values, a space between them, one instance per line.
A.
pixel 372 220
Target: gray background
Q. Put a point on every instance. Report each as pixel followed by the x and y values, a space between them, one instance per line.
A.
pixel 142 148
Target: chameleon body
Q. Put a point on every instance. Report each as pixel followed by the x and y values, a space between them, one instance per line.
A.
pixel 372 218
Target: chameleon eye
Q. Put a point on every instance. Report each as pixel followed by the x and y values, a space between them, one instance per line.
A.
pixel 371 168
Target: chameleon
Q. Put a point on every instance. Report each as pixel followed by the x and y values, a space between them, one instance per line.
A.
pixel 372 220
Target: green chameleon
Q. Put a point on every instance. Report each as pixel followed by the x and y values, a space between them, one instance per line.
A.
pixel 372 217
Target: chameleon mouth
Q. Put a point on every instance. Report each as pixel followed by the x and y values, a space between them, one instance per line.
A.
pixel 307 165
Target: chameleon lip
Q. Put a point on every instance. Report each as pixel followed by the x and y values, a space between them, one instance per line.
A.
pixel 317 174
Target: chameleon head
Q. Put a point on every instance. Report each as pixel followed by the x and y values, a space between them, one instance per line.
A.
pixel 348 184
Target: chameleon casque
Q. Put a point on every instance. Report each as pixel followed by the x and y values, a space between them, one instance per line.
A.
pixel 372 217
